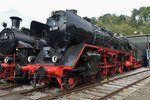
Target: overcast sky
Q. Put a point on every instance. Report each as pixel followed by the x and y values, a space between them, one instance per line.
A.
pixel 40 9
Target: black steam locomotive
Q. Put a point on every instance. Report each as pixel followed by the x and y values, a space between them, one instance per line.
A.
pixel 60 47
pixel 16 45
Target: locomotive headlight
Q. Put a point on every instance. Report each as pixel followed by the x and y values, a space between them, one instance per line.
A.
pixel 54 59
pixel 31 59
pixel 4 36
pixel 8 60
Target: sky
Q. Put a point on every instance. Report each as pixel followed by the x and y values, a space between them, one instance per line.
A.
pixel 40 9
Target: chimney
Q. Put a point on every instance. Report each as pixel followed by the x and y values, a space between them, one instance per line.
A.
pixel 15 22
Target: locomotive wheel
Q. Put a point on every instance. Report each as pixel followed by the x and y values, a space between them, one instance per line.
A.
pixel 103 73
pixel 113 71
pixel 128 68
pixel 120 69
pixel 93 78
pixel 70 81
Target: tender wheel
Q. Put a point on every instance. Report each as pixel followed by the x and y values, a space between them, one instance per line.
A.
pixel 103 73
pixel 113 71
pixel 70 81
pixel 120 69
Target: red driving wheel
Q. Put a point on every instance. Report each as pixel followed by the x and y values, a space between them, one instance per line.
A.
pixel 70 81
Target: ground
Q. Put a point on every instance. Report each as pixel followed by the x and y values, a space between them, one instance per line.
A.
pixel 141 94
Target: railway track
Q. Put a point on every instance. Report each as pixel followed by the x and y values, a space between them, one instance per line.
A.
pixel 101 91
pixel 15 94
pixel 8 86
pixel 10 91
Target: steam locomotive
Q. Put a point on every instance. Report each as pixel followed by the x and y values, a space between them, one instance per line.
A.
pixel 15 47
pixel 67 49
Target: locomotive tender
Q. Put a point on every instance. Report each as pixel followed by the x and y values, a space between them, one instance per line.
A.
pixel 70 50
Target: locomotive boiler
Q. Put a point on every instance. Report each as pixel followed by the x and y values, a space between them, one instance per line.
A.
pixel 75 51
pixel 12 38
pixel 65 28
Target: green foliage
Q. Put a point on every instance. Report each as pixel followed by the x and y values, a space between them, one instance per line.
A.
pixel 138 22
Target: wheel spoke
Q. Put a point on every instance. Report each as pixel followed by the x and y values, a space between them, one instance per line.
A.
pixel 103 73
pixel 71 81
pixel 113 71
pixel 120 69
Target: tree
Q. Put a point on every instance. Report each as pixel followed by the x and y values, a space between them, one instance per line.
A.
pixel 93 20
pixel 139 21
